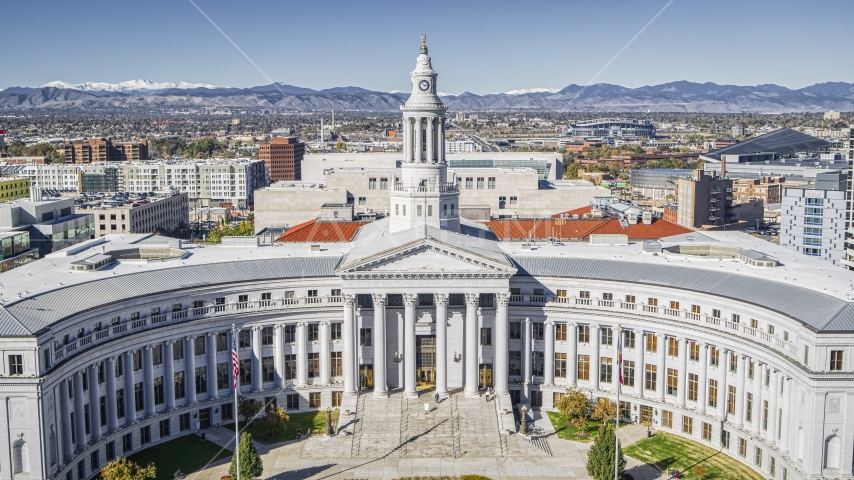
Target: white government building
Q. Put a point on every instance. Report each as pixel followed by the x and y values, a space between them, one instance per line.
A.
pixel 731 341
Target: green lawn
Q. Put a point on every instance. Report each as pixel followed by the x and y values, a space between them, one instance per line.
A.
pixel 188 453
pixel 670 452
pixel 308 421
pixel 566 431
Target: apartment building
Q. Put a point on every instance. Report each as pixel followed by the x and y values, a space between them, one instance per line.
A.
pixel 283 157
pixel 103 150
pixel 162 214
pixel 813 217
pixel 12 188
pixel 767 189
pixel 703 200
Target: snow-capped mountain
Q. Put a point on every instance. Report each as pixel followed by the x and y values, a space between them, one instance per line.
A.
pixel 525 91
pixel 131 86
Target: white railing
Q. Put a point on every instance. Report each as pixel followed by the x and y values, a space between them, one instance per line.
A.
pixel 561 299
pixel 101 334
pixel 731 325
pixel 83 341
pixel 650 308
pixel 516 298
pixel 538 299
pixel 158 318
pixel 583 301
pixel 606 303
pixel 713 320
pixel 138 323
pixel 693 316
pixel 312 300
pixel 671 312
pixel 628 306
pixel 120 328
pixel 180 315
pixel 71 347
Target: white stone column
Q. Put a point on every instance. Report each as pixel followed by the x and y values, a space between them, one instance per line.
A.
pixel 256 357
pixel 325 343
pixel 723 392
pixel 640 372
pixel 148 380
pixel 169 375
pixel 471 386
pixel 441 148
pixel 210 352
pixel 431 136
pixel 572 354
pixel 189 370
pixel 401 354
pixel 409 363
pixel 419 135
pixel 380 382
pixel 661 374
pixel 441 302
pixel 549 354
pixel 94 403
pixel 279 354
pixel 65 420
pixel 502 345
pixel 773 393
pixel 527 355
pixel 407 139
pixel 787 414
pixel 756 407
pixel 595 356
pixel 79 418
pixel 302 355
pixel 112 413
pixel 703 380
pixel 349 346
pixel 738 418
pixel 130 407
pixel 682 387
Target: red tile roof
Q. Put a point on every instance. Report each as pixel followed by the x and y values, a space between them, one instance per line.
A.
pixel 580 211
pixel 657 229
pixel 581 229
pixel 315 231
pixel 509 230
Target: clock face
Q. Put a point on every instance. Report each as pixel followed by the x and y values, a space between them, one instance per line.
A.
pixel 424 85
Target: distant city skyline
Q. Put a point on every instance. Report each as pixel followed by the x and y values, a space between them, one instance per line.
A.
pixel 489 48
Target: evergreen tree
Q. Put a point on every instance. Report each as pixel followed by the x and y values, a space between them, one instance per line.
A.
pixel 251 465
pixel 600 459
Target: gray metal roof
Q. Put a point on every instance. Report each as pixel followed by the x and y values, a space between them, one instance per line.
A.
pixel 782 142
pixel 818 311
pixel 40 311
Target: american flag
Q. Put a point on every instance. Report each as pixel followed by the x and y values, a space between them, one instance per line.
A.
pixel 620 354
pixel 235 362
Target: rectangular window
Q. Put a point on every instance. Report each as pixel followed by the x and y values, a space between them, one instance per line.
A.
pixel 560 332
pixel 184 422
pixel 650 377
pixel 515 362
pixel 292 401
pixel 693 380
pixel 652 302
pixel 491 183
pixel 694 352
pixel 81 469
pixel 201 379
pixel 835 360
pixel 584 294
pixel 651 343
pixel 313 332
pixel 110 450
pixel 290 333
pixel 733 363
pixel 127 442
pixel 313 365
pixel 266 336
pixel 672 347
pixel 607 336
pixel 687 424
pixel 725 439
pixel 469 183
pixel 165 428
pixel 748 408
pixel 486 336
pixel 290 367
pixel 736 318
pixel 714 357
pixel 158 391
pixel 267 372
pixel 583 334
pixel 674 305
pixel 514 200
pixel 145 435
pixel 757 456
pixel 742 447
pixel 138 397
pixel 177 350
pixel 179 385
pixel 137 360
pixel 480 183
pixel 120 403
pixel 672 381
pixel 584 367
pixel 16 364
pixel 713 393
pixel 372 183
pixel 314 400
pixel 226 411
pixel 707 432
pixel 765 415
pixel 537 365
pixel 336 364
pixel 383 183
pixel 86 418
pixel 715 313
pixel 630 299
pixel 222 375
pixel 560 365
pixel 629 373
pixel 666 419
pixel 245 372
pixel 537 331
pixel 730 401
pixel 628 339
pixel 806 354
pixel 337 398
pixel 772 466
pixel 335 331
pixel 515 330
pixel 244 339
pixel 102 410
pixel 605 369
pixel 365 337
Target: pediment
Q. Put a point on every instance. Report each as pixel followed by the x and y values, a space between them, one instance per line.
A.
pixel 428 258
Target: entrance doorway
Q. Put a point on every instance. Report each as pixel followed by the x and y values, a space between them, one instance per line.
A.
pixel 366 377
pixel 425 360
pixel 485 375
pixel 646 415
pixel 205 418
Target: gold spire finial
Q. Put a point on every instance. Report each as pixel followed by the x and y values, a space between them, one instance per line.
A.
pixel 423 41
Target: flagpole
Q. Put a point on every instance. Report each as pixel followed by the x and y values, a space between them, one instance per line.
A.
pixel 236 389
pixel 619 384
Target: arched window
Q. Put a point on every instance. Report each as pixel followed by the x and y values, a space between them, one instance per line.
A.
pixel 20 457
pixel 832 453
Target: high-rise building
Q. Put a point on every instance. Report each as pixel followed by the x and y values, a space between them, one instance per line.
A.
pixel 103 150
pixel 738 130
pixel 704 200
pixel 283 158
pixel 813 217
pixel 161 214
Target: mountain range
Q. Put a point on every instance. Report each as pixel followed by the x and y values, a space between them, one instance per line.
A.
pixel 681 96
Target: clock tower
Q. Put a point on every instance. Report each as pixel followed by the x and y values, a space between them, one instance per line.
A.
pixel 423 195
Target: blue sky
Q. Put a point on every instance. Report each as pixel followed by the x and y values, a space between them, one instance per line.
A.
pixel 481 47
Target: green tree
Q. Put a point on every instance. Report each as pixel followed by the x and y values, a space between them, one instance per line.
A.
pixel 251 465
pixel 574 405
pixel 604 409
pixel 16 148
pixel 600 458
pixel 276 420
pixel 247 408
pixel 124 469
pixel 571 171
